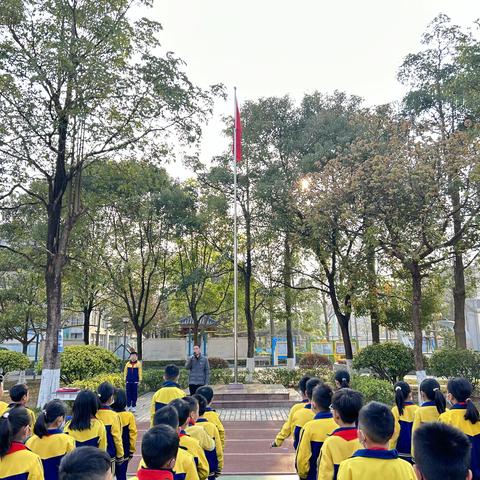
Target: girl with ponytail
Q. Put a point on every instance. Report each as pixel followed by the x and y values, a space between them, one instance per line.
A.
pixel 404 414
pixel 16 460
pixel 434 403
pixel 111 420
pixel 342 379
pixel 49 442
pixel 464 416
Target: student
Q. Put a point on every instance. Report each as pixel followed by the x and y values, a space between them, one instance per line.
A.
pixel 19 396
pixel 170 390
pixel 214 457
pixel 343 442
pixel 84 427
pixel 49 442
pixel 287 428
pixel 129 432
pixel 133 376
pixel 111 420
pixel 189 443
pixel 464 415
pixel 185 468
pixel 196 431
pixel 433 403
pixel 210 414
pixel 404 414
pixel 159 451
pixel 88 463
pixel 441 452
pixel 305 414
pixel 3 405
pixel 16 461
pixel 315 432
pixel 342 379
pixel 375 462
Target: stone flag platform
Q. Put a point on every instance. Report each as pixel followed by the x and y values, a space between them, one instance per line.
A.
pixel 254 396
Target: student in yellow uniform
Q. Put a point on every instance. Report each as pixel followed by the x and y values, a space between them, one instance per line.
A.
pixel 49 442
pixel 214 457
pixel 159 451
pixel 185 468
pixel 16 460
pixel 129 432
pixel 186 441
pixel 89 463
pixel 19 396
pixel 442 452
pixel 287 427
pixel 196 431
pixel 111 420
pixel 210 414
pixel 84 427
pixel 315 432
pixel 132 373
pixel 170 390
pixel 343 442
pixel 404 414
pixel 433 403
pixel 464 416
pixel 3 405
pixel 375 461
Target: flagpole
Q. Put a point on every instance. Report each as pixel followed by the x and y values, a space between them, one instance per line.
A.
pixel 235 246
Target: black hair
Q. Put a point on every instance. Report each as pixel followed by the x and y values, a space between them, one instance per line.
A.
pixel 120 403
pixel 347 403
pixel 85 407
pixel 311 384
pixel 105 392
pixel 159 446
pixel 192 403
pixel 461 389
pixel 402 392
pixel 133 352
pixel 17 392
pixel 51 411
pixel 171 372
pixel 207 392
pixel 343 378
pixel 441 451
pixel 202 403
pixel 166 416
pixel 377 422
pixel 11 422
pixel 85 462
pixel 322 396
pixel 431 388
pixel 302 384
pixel 183 410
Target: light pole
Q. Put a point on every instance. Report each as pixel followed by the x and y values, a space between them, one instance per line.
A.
pixel 125 323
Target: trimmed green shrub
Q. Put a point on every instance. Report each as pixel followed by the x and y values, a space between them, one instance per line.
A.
pixel 11 361
pixel 290 378
pixel 116 379
pixel 216 362
pixel 373 389
pixel 452 362
pixel 82 362
pixel 153 380
pixel 313 360
pixel 387 361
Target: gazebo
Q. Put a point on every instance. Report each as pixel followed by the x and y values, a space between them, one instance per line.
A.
pixel 206 325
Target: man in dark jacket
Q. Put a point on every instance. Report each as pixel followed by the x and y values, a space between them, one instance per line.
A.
pixel 199 370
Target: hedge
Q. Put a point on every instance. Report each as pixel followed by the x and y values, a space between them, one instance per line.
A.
pixel 373 389
pixel 313 360
pixel 452 362
pixel 290 378
pixel 116 379
pixel 11 361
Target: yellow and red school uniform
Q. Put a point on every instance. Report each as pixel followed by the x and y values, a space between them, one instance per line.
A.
pixel 20 463
pixel 287 428
pixel 402 435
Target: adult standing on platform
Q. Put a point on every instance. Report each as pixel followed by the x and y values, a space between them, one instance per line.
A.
pixel 199 370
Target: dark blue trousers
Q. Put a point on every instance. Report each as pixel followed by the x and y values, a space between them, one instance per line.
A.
pixel 121 470
pixel 132 394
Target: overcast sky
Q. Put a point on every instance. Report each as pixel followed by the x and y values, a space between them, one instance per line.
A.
pixel 278 47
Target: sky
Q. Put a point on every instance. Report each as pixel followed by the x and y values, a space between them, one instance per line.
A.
pixel 277 47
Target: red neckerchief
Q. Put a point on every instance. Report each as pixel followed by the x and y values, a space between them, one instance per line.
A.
pixel 16 447
pixel 191 423
pixel 148 474
pixel 378 448
pixel 347 433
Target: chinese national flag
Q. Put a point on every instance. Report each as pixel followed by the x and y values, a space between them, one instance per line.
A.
pixel 237 136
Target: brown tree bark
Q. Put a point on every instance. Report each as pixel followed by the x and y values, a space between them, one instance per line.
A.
pixel 417 314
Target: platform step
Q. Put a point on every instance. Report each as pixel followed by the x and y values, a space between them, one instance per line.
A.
pixel 252 396
pixel 230 403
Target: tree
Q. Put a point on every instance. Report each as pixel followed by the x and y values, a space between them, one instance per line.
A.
pixel 78 82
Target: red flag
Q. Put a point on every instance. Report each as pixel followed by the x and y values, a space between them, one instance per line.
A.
pixel 237 136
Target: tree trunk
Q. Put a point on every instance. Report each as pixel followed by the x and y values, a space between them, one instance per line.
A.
pixel 343 321
pixel 417 316
pixel 326 319
pixel 25 341
pixel 87 312
pixel 287 291
pixel 139 332
pixel 372 293
pixel 97 335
